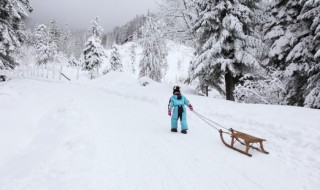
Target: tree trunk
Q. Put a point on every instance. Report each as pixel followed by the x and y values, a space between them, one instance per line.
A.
pixel 207 90
pixel 230 86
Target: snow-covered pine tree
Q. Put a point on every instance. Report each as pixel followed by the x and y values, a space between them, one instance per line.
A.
pixel 12 14
pixel 282 34
pixel 96 30
pixel 154 56
pixel 293 37
pixel 311 11
pixel 228 46
pixel 93 53
pixel 66 45
pixel 45 49
pixel 115 59
pixel 313 99
pixel 133 56
pixel 55 33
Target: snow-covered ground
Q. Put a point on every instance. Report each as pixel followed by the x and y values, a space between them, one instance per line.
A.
pixel 113 133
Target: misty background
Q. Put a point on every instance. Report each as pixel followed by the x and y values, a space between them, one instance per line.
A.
pixel 78 14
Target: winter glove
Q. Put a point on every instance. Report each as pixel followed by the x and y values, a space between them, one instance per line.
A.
pixel 169 112
pixel 190 107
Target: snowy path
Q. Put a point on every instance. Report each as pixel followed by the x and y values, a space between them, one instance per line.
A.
pixel 91 136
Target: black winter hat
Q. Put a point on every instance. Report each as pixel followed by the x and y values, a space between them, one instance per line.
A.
pixel 176 89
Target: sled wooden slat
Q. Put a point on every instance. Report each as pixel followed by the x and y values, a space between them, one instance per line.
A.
pixel 244 139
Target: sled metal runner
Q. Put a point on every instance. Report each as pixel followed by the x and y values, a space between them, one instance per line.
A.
pixel 244 139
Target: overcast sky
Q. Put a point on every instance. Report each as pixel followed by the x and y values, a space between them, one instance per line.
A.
pixel 79 13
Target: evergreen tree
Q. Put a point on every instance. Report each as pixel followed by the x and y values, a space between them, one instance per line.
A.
pixel 293 35
pixel 54 33
pixel 115 59
pixel 96 30
pixel 311 13
pixel 45 49
pixel 12 31
pixel 228 45
pixel 93 53
pixel 154 57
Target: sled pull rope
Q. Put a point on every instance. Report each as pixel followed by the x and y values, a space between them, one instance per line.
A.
pixel 210 122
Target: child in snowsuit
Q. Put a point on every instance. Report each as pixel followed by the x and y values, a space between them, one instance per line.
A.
pixel 178 102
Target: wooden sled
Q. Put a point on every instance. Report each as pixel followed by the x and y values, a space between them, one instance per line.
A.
pixel 244 139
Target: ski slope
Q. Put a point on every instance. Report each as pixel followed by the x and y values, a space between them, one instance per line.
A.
pixel 113 133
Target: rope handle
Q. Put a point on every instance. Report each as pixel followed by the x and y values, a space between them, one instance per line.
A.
pixel 210 122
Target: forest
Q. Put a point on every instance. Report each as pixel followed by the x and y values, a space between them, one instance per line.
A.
pixel 249 51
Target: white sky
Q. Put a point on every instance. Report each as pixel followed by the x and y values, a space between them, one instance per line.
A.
pixel 79 13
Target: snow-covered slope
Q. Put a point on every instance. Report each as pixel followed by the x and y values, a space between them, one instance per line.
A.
pixel 113 133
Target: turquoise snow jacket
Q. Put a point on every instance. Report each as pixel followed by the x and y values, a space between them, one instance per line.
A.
pixel 179 111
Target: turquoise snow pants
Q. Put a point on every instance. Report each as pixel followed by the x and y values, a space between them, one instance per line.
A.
pixel 176 115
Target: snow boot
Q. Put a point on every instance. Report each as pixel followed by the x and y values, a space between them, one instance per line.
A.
pixel 184 131
pixel 174 130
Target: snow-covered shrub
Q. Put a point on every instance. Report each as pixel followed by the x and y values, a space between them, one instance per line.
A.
pixel 145 81
pixel 266 90
pixel 72 62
